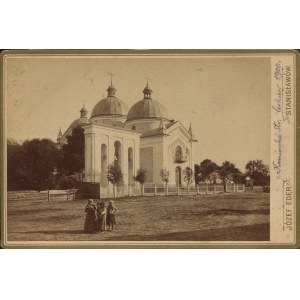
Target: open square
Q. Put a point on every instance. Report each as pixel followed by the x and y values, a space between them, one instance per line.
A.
pixel 220 217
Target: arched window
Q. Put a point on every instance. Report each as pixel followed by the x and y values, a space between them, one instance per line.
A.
pixel 178 154
pixel 103 166
pixel 130 166
pixel 117 151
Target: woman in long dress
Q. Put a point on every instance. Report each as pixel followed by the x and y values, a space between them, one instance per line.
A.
pixel 110 217
pixel 90 219
pixel 101 217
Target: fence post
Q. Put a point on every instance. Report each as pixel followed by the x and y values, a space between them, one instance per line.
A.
pixel 73 194
pixel 143 190
pixel 198 189
pixel 177 189
pixel 188 189
pixel 214 188
pixel 155 190
pixel 129 190
pixel 167 190
pixel 67 195
pixel 244 188
pixel 48 195
pixel 206 187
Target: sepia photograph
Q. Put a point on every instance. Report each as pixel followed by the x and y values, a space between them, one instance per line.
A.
pixel 148 148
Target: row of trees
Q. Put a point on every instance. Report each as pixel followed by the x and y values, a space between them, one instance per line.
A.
pixel 39 164
pixel 256 172
pixel 115 176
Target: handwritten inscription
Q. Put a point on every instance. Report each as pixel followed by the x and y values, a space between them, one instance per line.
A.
pixel 282 109
pixel 278 137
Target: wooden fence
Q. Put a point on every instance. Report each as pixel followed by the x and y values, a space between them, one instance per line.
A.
pixel 161 189
pixel 61 194
pixel 43 195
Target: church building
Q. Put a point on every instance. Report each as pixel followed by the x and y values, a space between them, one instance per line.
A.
pixel 140 137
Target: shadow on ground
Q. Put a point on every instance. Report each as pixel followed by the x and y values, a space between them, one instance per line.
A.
pixel 257 232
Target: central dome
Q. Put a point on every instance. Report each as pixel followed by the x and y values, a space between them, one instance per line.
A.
pixel 111 105
pixel 147 108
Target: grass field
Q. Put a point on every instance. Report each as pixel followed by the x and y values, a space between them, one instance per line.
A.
pixel 222 217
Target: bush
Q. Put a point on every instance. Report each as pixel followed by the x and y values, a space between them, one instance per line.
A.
pixel 66 182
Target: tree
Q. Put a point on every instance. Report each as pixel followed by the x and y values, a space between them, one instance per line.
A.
pixel 165 177
pixel 114 175
pixel 228 172
pixel 73 153
pixel 238 176
pixel 204 171
pixel 258 172
pixel 40 159
pixel 140 177
pixel 188 177
pixel 16 169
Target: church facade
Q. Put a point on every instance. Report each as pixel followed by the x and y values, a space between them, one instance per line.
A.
pixel 140 137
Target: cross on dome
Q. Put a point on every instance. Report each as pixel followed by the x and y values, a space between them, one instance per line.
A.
pixel 111 91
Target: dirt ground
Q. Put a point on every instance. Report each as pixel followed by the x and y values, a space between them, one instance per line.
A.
pixel 222 217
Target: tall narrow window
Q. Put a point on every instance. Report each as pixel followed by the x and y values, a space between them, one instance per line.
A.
pixel 178 154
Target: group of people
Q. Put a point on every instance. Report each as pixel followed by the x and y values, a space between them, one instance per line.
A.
pixel 98 217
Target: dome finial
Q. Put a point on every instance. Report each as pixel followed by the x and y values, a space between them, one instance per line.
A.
pixel 59 136
pixel 147 91
pixel 83 112
pixel 111 90
pixel 191 132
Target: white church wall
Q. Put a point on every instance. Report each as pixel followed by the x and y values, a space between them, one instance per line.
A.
pixel 178 138
pixel 156 144
pixel 95 137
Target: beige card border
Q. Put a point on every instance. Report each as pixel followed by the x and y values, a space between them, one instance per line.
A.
pixel 139 244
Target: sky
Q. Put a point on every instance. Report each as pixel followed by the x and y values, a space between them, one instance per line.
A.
pixel 226 99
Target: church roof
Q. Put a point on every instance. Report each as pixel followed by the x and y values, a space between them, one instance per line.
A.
pixel 147 108
pixel 111 105
pixel 159 131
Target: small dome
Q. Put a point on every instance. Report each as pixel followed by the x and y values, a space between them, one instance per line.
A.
pixel 79 122
pixel 82 120
pixel 147 108
pixel 111 105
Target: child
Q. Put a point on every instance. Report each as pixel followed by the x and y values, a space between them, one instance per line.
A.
pixel 110 218
pixel 90 219
pixel 101 213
